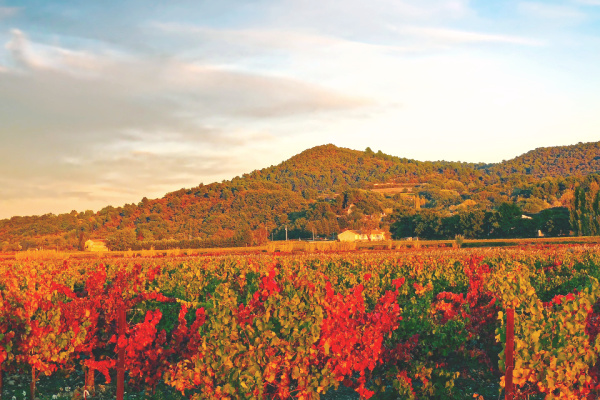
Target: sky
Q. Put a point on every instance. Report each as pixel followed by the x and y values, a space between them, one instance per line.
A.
pixel 106 102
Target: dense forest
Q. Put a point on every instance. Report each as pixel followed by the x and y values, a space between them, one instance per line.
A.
pixel 326 189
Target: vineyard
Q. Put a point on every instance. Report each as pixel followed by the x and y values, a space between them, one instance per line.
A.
pixel 408 324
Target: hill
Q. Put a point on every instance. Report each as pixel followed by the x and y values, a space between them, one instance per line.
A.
pixel 330 169
pixel 576 160
pixel 321 190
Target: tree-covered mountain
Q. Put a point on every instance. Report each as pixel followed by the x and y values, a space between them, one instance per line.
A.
pixel 326 189
pixel 577 160
pixel 330 169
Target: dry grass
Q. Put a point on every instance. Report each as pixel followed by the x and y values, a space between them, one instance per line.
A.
pixel 308 247
pixel 41 255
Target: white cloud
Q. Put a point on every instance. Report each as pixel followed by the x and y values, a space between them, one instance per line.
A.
pixel 589 2
pixel 357 18
pixel 30 55
pixel 321 24
pixel 558 13
pixel 239 47
pixel 74 117
pixel 209 89
pixel 452 36
pixel 252 95
pixel 18 46
pixel 272 38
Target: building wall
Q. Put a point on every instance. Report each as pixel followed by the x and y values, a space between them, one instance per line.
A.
pixel 92 245
pixel 353 236
pixel 348 236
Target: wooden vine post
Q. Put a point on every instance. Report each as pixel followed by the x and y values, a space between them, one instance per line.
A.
pixel 509 353
pixel 121 354
pixel 90 378
pixel 32 385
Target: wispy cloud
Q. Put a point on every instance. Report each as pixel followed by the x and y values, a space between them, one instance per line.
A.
pixel 253 95
pixel 35 56
pixel 102 182
pixel 358 19
pixel 73 116
pixel 209 89
pixel 240 46
pixel 588 2
pixel 453 36
pixel 563 14
pixel 7 12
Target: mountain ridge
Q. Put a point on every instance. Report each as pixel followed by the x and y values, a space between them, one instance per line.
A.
pixel 312 191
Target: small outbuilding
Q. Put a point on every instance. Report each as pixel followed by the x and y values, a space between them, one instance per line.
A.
pixel 361 236
pixel 376 235
pixel 349 236
pixel 96 245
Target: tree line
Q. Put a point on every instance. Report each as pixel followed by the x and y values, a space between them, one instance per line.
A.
pixel 507 221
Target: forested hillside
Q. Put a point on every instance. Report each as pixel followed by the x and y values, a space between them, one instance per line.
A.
pixel 577 160
pixel 331 169
pixel 326 189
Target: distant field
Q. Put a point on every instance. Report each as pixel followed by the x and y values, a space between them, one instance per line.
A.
pixel 317 246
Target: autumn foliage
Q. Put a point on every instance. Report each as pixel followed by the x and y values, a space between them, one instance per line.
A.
pixel 413 324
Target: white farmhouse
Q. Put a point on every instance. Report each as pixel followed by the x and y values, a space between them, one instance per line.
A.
pixel 361 236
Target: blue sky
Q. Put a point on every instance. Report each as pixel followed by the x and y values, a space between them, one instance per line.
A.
pixel 103 103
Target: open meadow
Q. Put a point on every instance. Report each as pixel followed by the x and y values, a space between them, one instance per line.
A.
pixel 426 323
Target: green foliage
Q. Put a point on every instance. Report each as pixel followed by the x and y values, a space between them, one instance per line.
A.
pixel 580 159
pixel 506 222
pixel 124 239
pixel 585 208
